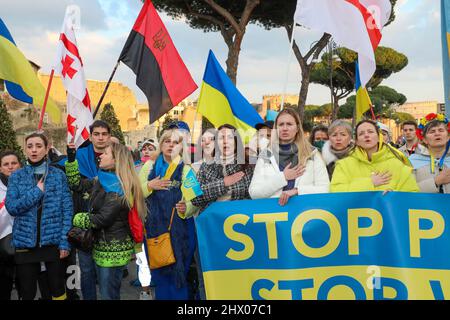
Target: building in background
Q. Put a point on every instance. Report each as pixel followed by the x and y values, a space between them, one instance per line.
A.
pixel 420 109
pixel 273 102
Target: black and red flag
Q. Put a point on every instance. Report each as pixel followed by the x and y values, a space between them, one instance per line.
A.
pixel 160 72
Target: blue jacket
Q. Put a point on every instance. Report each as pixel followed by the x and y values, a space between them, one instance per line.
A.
pixel 23 199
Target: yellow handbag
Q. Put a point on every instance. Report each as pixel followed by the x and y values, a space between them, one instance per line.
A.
pixel 160 250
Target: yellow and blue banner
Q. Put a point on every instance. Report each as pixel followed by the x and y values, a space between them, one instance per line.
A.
pixel 222 103
pixel 190 188
pixel 445 31
pixel 20 79
pixel 363 102
pixel 327 246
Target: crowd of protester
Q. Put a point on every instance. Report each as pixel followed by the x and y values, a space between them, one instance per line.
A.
pixel 98 186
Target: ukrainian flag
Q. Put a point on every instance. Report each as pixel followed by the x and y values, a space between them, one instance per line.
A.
pixel 445 31
pixel 20 79
pixel 363 102
pixel 222 103
pixel 190 188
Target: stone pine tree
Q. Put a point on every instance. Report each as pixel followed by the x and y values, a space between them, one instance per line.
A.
pixel 109 116
pixel 278 14
pixel 8 139
pixel 229 17
pixel 388 61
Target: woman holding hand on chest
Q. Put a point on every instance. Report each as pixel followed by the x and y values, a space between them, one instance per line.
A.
pixel 290 166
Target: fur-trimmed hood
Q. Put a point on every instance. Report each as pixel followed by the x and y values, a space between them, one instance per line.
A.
pixel 327 155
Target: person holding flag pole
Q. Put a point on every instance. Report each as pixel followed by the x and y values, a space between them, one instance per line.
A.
pixel 80 128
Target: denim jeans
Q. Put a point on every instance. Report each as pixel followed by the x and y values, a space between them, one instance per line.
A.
pixel 109 281
pixel 88 276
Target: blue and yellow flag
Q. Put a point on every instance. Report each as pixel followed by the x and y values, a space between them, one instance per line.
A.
pixel 190 188
pixel 445 30
pixel 271 115
pixel 363 102
pixel 20 79
pixel 221 102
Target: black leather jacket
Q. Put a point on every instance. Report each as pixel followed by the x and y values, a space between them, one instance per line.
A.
pixel 109 214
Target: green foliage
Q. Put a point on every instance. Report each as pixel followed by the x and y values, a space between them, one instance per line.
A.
pixel 8 139
pixel 109 116
pixel 167 121
pixel 383 100
pixel 269 14
pixel 400 117
pixel 206 124
pixel 315 111
pixel 276 14
pixel 388 62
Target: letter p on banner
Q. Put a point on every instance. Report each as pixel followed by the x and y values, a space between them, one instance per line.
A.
pixel 416 234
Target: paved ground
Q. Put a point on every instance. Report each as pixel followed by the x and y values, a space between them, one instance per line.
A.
pixel 127 291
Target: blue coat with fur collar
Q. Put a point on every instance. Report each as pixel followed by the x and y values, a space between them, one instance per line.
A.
pixel 23 198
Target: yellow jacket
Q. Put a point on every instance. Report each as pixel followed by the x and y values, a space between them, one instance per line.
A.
pixel 353 174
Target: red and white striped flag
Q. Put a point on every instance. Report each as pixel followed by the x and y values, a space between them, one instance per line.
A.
pixel 70 66
pixel 354 24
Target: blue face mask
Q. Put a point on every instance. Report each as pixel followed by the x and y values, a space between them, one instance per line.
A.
pixel 319 144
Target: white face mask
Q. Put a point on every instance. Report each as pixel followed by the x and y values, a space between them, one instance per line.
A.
pixel 263 143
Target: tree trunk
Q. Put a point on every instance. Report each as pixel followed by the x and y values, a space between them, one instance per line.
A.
pixel 306 67
pixel 334 115
pixel 233 57
pixel 303 92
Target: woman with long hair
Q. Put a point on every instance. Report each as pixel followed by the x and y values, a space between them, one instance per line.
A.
pixel 228 176
pixel 206 151
pixel 39 199
pixel 432 164
pixel 225 177
pixel 169 212
pixel 372 165
pixel 339 144
pixel 9 163
pixel 291 165
pixel 115 192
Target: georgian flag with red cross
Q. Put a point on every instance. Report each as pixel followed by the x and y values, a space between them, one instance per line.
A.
pixel 69 66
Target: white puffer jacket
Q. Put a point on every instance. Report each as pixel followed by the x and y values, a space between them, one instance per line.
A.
pixel 268 181
pixel 6 221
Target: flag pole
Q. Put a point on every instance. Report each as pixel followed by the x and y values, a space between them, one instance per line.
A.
pixel 106 89
pixel 287 67
pixel 49 85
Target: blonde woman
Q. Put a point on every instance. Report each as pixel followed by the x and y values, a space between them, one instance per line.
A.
pixel 161 183
pixel 291 166
pixel 114 193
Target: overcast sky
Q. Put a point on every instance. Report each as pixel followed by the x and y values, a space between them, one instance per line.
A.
pixel 105 25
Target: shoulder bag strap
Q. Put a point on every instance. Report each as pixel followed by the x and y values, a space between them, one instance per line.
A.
pixel 171 218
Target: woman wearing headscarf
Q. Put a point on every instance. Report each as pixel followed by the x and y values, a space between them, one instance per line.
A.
pixel 39 199
pixel 291 166
pixel 372 165
pixel 432 164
